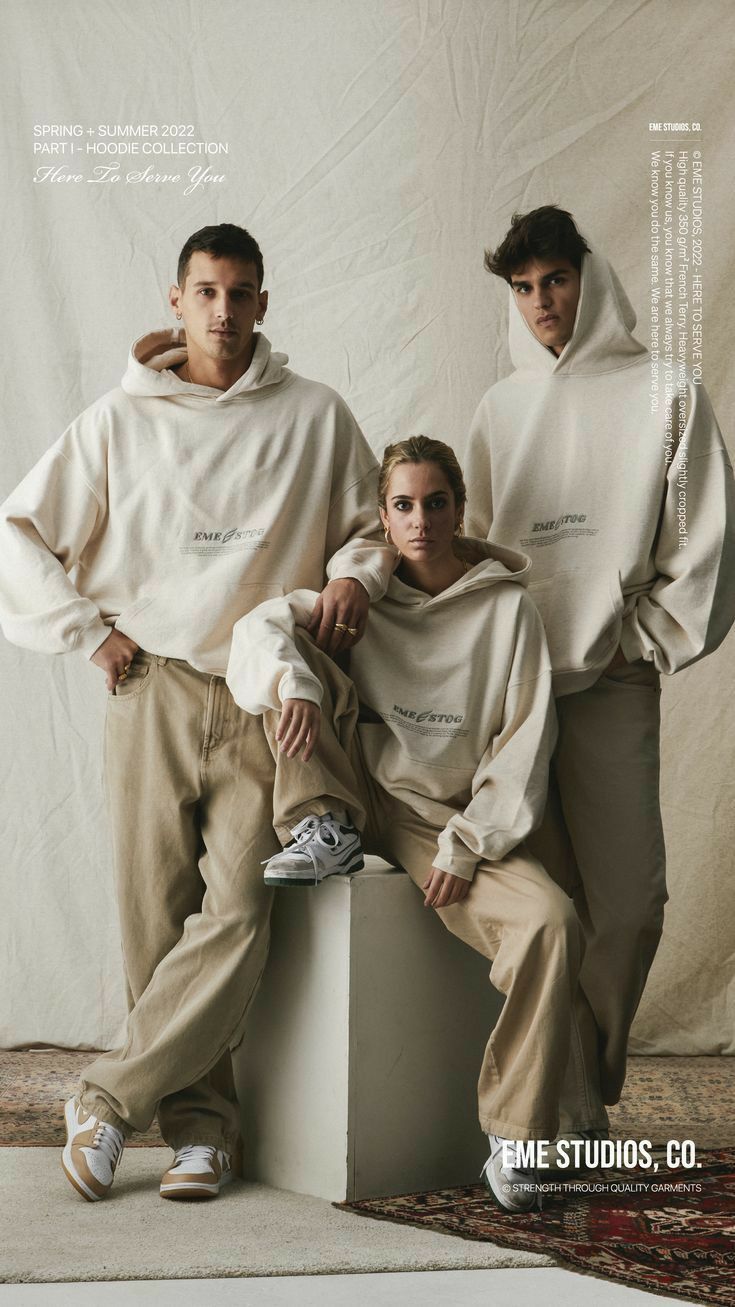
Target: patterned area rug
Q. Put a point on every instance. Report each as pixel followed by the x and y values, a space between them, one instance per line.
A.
pixel 671 1233
pixel 664 1098
pixel 33 1089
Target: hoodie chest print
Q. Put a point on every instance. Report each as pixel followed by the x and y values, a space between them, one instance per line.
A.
pixel 550 531
pixel 226 539
pixel 432 721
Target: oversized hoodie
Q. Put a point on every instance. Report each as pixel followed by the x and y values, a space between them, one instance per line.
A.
pixel 459 689
pixel 630 526
pixel 169 509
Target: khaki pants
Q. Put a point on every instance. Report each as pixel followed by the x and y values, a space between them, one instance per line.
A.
pixel 601 840
pixel 189 777
pixel 514 915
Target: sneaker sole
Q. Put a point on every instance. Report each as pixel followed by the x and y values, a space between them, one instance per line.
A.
pixel 357 865
pixel 189 1189
pixel 78 1183
pixel 511 1211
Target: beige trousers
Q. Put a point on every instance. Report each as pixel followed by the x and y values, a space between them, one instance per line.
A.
pixel 514 915
pixel 602 840
pixel 189 778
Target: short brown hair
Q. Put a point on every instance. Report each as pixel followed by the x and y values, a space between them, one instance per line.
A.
pixel 421 449
pixel 545 233
pixel 224 241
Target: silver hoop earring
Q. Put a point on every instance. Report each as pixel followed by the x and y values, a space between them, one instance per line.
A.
pixel 260 321
pixel 178 317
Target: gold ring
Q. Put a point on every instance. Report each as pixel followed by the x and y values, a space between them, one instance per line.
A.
pixel 340 626
pixel 123 676
pixel 352 630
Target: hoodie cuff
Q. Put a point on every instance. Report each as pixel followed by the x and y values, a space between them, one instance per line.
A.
pixel 294 686
pixel 91 637
pixel 369 580
pixel 629 642
pixel 455 858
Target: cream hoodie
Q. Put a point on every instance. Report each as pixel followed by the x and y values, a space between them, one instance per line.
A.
pixel 181 507
pixel 567 462
pixel 460 687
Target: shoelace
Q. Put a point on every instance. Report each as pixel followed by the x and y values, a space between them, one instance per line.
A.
pixel 195 1153
pixel 110 1142
pixel 325 832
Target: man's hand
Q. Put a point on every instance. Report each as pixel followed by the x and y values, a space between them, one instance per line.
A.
pixel 443 889
pixel 618 660
pixel 339 616
pixel 298 727
pixel 114 656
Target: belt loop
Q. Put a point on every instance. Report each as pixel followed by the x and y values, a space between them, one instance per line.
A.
pixel 161 661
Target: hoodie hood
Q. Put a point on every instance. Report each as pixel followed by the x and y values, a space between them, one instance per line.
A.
pixel 153 356
pixel 602 339
pixel 488 563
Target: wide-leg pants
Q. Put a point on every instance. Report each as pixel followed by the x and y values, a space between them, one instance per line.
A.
pixel 189 779
pixel 602 841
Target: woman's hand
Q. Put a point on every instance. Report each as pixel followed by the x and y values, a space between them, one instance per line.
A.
pixel 298 727
pixel 443 889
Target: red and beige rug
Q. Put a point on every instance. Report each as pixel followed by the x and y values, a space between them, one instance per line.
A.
pixel 673 1232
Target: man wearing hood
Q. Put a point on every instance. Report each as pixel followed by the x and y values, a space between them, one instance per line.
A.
pixel 212 479
pixel 627 511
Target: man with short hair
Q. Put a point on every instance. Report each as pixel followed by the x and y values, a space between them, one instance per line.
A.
pixel 628 513
pixel 213 478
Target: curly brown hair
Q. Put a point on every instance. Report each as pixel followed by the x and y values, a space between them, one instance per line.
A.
pixel 545 233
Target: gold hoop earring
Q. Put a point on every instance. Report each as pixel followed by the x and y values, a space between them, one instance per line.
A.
pixel 386 533
pixel 459 529
pixel 178 317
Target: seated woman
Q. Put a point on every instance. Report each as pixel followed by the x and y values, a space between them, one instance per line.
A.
pixel 444 771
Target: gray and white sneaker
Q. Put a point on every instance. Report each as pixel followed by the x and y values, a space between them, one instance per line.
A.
pixel 514 1188
pixel 321 847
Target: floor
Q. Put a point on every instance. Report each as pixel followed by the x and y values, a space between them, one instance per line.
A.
pixel 665 1098
pixel 527 1288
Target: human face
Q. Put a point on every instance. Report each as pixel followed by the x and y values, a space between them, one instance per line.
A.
pixel 219 303
pixel 421 513
pixel 547 294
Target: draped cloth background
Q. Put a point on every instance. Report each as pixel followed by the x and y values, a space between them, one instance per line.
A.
pixel 375 149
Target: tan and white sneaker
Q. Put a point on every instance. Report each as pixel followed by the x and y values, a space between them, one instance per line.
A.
pixel 199 1171
pixel 91 1153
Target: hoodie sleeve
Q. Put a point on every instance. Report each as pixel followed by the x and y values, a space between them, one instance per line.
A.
pixel 355 543
pixel 44 526
pixel 691 606
pixel 509 786
pixel 478 475
pixel 265 666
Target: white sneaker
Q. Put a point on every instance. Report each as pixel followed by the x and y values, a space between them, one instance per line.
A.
pixel 321 847
pixel 91 1153
pixel 513 1188
pixel 199 1171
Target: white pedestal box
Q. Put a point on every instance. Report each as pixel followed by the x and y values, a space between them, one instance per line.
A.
pixel 358 1070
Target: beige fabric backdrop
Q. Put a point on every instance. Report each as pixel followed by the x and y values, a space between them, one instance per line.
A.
pixel 374 148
